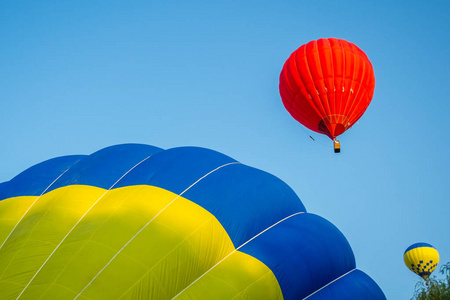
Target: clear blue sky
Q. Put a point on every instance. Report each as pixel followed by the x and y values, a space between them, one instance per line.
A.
pixel 77 76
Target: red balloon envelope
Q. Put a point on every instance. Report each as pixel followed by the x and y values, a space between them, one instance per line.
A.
pixel 327 85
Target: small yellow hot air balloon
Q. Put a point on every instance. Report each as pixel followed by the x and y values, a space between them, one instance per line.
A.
pixel 422 259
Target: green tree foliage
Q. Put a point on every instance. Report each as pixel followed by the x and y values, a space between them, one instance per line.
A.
pixel 437 289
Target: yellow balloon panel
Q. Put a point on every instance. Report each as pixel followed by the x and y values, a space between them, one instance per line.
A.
pixel 150 243
pixel 257 282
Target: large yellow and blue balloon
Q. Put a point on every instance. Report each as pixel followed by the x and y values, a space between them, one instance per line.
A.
pixel 422 259
pixel 138 222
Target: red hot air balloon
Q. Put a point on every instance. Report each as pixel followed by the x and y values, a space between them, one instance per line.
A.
pixel 327 85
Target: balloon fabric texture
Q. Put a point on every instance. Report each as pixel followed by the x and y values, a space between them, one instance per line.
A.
pixel 327 85
pixel 135 221
pixel 422 259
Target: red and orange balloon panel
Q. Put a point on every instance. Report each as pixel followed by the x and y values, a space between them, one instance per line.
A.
pixel 327 85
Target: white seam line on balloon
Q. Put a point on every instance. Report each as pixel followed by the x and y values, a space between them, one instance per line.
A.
pixel 82 217
pixel 316 291
pixel 32 204
pixel 150 269
pixel 16 252
pixel 273 225
pixel 145 226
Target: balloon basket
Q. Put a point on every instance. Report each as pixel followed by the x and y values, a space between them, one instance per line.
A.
pixel 337 146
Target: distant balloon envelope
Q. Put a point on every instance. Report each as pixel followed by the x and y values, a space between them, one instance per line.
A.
pixel 139 222
pixel 327 85
pixel 421 258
